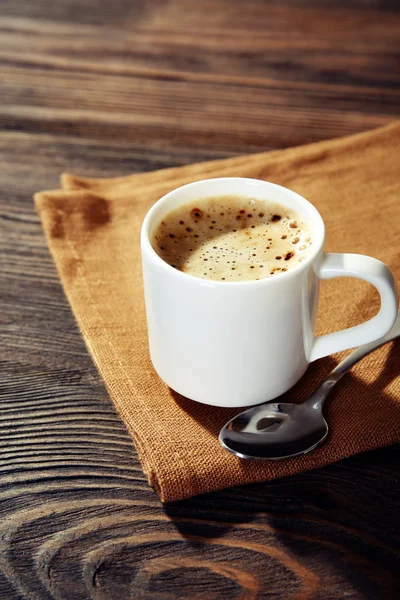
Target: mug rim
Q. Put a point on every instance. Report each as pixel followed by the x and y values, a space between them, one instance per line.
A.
pixel 147 247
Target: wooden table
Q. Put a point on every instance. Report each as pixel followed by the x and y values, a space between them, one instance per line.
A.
pixel 105 88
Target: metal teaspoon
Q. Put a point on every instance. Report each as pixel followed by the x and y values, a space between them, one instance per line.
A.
pixel 277 430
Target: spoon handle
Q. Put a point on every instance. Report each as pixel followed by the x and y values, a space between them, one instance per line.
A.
pixel 345 365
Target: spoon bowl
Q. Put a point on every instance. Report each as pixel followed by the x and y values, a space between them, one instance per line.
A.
pixel 279 430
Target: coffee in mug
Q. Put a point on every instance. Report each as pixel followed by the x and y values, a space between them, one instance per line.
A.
pixel 232 238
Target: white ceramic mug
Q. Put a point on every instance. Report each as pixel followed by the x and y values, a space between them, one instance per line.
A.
pixel 242 343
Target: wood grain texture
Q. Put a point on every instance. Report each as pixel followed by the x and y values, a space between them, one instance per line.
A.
pixel 108 88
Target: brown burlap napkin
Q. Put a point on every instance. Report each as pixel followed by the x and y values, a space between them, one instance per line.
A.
pixel 92 227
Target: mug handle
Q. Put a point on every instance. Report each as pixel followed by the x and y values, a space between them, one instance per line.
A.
pixel 374 271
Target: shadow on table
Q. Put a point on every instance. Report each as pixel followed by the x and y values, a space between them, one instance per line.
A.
pixel 344 512
pixel 260 494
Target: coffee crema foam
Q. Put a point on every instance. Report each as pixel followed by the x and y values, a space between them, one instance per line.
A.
pixel 232 238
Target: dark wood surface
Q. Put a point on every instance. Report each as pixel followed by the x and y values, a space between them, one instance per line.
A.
pixel 104 88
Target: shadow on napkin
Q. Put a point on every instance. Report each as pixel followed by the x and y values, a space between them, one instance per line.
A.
pixel 213 418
